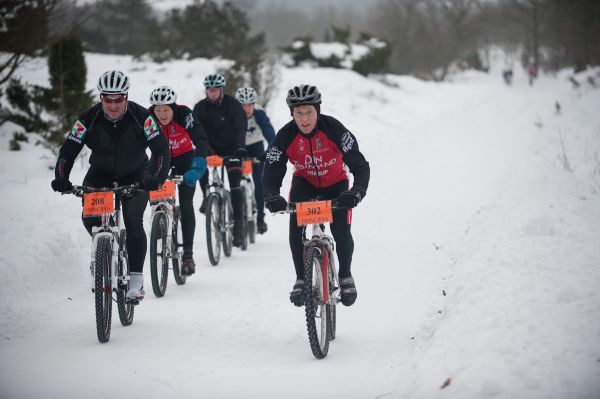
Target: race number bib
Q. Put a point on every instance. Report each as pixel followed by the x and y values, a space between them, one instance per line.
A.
pixel 96 204
pixel 166 191
pixel 313 212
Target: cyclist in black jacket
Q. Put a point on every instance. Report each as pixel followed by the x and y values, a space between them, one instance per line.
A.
pixel 318 146
pixel 118 131
pixel 225 124
pixel 182 129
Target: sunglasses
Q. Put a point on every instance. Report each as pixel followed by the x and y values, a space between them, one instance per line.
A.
pixel 113 99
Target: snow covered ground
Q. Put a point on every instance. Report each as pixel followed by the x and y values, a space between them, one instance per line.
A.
pixel 477 258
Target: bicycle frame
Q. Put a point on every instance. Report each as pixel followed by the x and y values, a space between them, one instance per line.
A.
pixel 247 183
pixel 112 231
pixel 325 246
pixel 167 206
pixel 219 219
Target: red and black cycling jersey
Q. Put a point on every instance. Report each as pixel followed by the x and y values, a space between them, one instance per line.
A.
pixel 183 131
pixel 318 157
pixel 118 148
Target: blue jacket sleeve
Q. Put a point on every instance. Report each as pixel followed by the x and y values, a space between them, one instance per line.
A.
pixel 265 125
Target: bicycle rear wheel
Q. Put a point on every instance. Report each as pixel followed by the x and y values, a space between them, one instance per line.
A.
pixel 317 310
pixel 103 288
pixel 227 225
pixel 213 229
pixel 125 309
pixel 177 247
pixel 159 262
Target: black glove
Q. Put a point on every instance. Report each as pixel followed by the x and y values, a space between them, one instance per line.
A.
pixel 61 184
pixel 275 202
pixel 151 183
pixel 262 157
pixel 242 153
pixel 349 199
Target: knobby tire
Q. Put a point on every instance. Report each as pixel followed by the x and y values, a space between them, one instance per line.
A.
pixel 227 225
pixel 159 262
pixel 103 288
pixel 245 225
pixel 177 247
pixel 213 229
pixel 317 312
pixel 126 310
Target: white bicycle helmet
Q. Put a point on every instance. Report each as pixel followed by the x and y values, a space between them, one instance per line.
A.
pixel 163 95
pixel 303 95
pixel 113 82
pixel 246 95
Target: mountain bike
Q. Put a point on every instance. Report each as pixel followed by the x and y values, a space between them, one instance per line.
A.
pixel 321 282
pixel 109 261
pixel 249 210
pixel 166 237
pixel 219 211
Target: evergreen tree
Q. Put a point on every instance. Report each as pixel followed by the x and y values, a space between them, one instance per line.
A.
pixel 51 111
pixel 67 96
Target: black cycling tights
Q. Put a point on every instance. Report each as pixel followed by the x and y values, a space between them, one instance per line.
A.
pixel 300 191
pixel 182 164
pixel 133 215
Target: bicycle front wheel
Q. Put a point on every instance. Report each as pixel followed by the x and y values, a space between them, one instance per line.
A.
pixel 213 229
pixel 177 247
pixel 244 220
pixel 125 309
pixel 317 309
pixel 159 262
pixel 103 288
pixel 227 224
pixel 333 285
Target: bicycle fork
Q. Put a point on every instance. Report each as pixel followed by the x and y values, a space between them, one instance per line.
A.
pixel 116 253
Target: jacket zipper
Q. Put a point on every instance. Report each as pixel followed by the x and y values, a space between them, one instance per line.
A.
pixel 312 158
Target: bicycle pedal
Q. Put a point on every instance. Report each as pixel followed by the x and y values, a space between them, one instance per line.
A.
pixel 132 301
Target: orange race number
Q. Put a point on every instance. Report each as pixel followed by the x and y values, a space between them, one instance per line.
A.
pixel 95 204
pixel 167 190
pixel 313 212
pixel 247 167
pixel 214 161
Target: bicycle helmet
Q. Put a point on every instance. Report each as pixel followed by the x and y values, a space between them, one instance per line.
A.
pixel 113 82
pixel 246 95
pixel 163 95
pixel 214 80
pixel 303 95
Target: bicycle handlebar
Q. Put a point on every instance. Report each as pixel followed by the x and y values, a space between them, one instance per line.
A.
pixel 80 190
pixel 177 179
pixel 291 208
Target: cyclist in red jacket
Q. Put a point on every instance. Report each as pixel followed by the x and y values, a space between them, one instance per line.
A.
pixel 318 146
pixel 188 146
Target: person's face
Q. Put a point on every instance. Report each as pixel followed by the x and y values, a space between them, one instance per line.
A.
pixel 213 93
pixel 305 117
pixel 249 109
pixel 164 113
pixel 114 106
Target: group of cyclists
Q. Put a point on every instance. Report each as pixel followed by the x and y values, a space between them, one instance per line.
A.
pixel 118 131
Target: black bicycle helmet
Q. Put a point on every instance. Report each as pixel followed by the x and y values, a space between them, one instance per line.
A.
pixel 303 95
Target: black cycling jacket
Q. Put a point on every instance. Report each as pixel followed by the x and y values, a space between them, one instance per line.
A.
pixel 225 124
pixel 119 147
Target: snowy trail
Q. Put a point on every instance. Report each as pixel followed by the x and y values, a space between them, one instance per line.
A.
pixel 459 177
